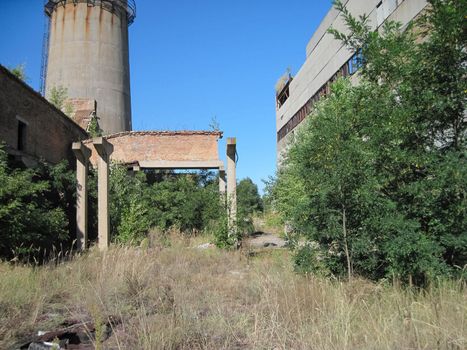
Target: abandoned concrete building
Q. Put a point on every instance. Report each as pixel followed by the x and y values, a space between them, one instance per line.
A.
pixel 327 59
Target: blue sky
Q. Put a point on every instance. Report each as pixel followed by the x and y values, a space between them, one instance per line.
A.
pixel 193 60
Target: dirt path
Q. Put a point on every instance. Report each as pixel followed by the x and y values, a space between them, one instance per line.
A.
pixel 264 240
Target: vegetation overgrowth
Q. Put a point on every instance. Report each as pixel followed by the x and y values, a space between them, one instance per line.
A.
pixel 37 212
pixel 375 179
pixel 174 296
pixel 36 208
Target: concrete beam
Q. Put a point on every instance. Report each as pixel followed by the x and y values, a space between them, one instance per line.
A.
pixel 232 184
pixel 104 150
pixel 180 164
pixel 82 154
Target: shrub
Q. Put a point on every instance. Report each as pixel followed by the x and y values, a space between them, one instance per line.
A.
pixel 374 175
pixel 33 209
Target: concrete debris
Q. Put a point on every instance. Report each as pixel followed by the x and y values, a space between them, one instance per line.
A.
pixel 74 335
pixel 206 246
pixel 260 240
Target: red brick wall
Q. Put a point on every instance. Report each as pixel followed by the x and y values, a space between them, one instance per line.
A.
pixel 169 146
pixel 49 132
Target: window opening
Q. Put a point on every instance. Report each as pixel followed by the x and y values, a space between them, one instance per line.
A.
pixel 356 62
pixel 21 135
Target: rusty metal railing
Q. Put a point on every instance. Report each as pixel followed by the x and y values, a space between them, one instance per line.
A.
pixel 128 6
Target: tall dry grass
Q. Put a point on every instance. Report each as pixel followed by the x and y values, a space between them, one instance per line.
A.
pixel 183 298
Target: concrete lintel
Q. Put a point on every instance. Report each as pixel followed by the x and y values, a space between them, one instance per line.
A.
pixel 103 147
pixel 81 152
pixel 181 164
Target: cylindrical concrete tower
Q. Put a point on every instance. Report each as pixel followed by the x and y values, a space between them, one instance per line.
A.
pixel 88 55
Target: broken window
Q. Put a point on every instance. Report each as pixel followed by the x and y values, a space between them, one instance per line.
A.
pixel 355 62
pixel 283 96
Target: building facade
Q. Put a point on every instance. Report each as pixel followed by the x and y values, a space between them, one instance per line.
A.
pixel 31 128
pixel 327 59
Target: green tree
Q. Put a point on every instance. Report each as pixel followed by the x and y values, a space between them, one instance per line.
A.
pixel 249 202
pixel 129 221
pixel 94 129
pixel 248 198
pixel 58 96
pixel 33 210
pixel 188 202
pixel 374 176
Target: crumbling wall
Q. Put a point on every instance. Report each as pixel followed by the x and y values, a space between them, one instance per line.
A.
pixel 47 132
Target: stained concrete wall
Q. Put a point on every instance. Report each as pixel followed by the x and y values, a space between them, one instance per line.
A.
pixel 325 55
pixel 163 146
pixel 49 133
pixel 88 54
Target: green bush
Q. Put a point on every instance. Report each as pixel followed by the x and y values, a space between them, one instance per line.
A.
pixel 34 204
pixel 166 200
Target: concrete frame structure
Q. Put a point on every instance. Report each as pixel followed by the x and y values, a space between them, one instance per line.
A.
pixel 102 150
pixel 82 155
pixel 328 59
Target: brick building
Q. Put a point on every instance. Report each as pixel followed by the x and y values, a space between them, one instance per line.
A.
pixel 31 127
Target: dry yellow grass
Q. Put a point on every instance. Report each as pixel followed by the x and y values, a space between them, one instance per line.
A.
pixel 184 298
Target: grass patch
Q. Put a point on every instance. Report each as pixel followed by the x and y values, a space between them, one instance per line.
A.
pixel 178 297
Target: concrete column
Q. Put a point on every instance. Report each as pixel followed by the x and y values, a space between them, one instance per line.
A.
pixel 82 154
pixel 232 184
pixel 104 150
pixel 222 185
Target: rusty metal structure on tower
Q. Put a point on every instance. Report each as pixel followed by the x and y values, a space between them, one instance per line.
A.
pixel 128 6
pixel 86 52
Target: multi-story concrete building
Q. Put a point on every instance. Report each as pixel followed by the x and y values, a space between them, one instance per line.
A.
pixel 327 59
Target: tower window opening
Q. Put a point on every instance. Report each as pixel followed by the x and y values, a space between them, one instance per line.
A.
pixel 21 135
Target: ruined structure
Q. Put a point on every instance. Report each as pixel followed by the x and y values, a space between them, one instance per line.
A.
pixel 31 127
pixel 148 150
pixel 86 52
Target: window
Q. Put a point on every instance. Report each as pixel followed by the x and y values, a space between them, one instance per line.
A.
pixel 355 62
pixel 283 96
pixel 21 135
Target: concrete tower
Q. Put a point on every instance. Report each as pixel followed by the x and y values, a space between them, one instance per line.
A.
pixel 88 55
